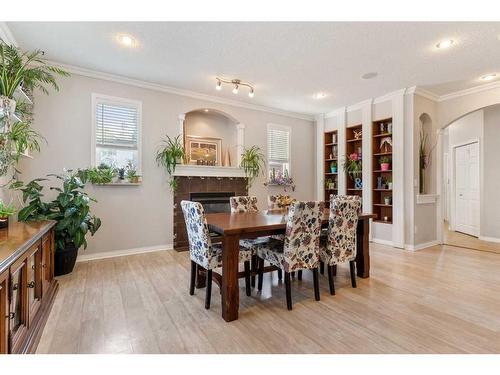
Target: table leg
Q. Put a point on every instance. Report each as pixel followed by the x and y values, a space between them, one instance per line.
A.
pixel 363 248
pixel 230 287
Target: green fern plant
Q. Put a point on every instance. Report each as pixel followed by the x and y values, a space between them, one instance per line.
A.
pixel 253 163
pixel 169 155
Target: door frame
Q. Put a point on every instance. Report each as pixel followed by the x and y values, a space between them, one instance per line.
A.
pixel 452 200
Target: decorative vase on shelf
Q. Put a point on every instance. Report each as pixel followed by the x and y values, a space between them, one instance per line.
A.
pixel 385 167
pixel 358 183
pixel 227 159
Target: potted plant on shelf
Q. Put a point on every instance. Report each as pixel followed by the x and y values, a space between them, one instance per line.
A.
pixel 353 165
pixel 387 200
pixel 253 163
pixel 330 184
pixel 5 212
pixel 333 166
pixel 389 183
pixel 71 210
pixel 385 163
pixel 169 155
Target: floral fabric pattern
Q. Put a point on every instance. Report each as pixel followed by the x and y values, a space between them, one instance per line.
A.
pixel 300 249
pixel 243 203
pixel 201 249
pixel 340 244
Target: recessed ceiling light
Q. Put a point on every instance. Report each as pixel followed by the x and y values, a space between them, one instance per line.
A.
pixel 369 75
pixel 126 40
pixel 320 95
pixel 446 43
pixel 206 109
pixel 488 77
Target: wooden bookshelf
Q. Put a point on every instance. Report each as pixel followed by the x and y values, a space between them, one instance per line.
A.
pixel 331 153
pixel 381 178
pixel 353 144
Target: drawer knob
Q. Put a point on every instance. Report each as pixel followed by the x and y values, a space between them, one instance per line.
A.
pixel 15 286
pixel 11 315
pixel 31 284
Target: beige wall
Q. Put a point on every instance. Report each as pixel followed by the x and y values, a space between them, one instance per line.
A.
pixel 141 216
pixel 490 207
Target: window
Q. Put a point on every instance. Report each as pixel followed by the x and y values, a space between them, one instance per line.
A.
pixel 278 149
pixel 116 131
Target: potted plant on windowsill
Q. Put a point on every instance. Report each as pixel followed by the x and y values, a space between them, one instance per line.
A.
pixel 253 163
pixel 169 155
pixel 385 163
pixel 71 210
pixel 5 212
pixel 132 175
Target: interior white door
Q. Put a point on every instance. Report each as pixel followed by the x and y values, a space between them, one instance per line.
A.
pixel 467 188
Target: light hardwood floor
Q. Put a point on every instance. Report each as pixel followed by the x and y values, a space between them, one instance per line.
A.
pixel 471 242
pixel 438 300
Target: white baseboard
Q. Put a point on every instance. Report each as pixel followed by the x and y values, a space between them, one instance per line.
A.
pixel 489 239
pixel 421 246
pixel 82 257
pixel 383 242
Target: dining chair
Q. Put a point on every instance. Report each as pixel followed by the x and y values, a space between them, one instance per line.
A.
pixel 205 254
pixel 300 248
pixel 243 203
pixel 339 245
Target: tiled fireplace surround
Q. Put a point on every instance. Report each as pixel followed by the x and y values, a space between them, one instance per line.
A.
pixel 200 184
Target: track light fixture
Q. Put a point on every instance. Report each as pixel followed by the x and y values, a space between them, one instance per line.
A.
pixel 236 85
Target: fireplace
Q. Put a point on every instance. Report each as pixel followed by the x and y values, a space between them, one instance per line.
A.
pixel 212 192
pixel 213 202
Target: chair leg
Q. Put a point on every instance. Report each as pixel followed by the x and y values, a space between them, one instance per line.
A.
pixel 316 283
pixel 299 275
pixel 193 278
pixel 293 274
pixel 288 288
pixel 261 273
pixel 280 275
pixel 247 278
pixel 254 269
pixel 330 279
pixel 322 267
pixel 209 289
pixel 352 266
pixel 335 270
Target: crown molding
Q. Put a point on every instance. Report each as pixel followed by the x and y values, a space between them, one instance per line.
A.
pixel 472 90
pixel 359 105
pixel 389 96
pixel 172 90
pixel 336 112
pixel 426 94
pixel 6 35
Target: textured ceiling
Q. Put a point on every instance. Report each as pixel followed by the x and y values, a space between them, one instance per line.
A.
pixel 287 62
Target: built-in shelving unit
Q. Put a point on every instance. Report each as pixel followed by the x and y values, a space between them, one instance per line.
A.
pixel 382 177
pixel 354 144
pixel 331 180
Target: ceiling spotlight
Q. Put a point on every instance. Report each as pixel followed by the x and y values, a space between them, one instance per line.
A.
pixel 126 40
pixel 488 77
pixel 236 85
pixel 320 95
pixel 206 109
pixel 445 44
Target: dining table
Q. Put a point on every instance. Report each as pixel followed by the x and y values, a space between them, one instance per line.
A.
pixel 231 227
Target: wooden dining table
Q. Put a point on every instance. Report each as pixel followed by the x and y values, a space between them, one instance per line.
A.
pixel 233 227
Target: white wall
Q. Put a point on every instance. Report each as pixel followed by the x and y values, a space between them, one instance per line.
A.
pixel 135 217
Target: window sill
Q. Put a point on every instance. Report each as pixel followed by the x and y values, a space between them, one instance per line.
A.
pixel 120 184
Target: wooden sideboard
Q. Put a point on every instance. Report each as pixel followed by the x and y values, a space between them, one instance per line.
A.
pixel 27 284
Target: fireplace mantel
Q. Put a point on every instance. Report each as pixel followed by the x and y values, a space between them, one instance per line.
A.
pixel 208 171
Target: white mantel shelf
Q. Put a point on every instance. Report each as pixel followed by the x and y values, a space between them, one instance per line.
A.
pixel 208 171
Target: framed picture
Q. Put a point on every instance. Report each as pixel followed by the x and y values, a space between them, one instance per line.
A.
pixel 203 151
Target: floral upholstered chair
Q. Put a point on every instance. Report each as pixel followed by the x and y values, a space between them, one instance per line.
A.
pixel 243 203
pixel 299 250
pixel 339 245
pixel 201 250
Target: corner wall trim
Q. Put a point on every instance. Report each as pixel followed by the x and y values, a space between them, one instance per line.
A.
pixel 125 252
pixel 422 246
pixel 383 242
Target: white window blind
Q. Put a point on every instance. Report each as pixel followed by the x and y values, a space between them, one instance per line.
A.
pixel 278 144
pixel 116 125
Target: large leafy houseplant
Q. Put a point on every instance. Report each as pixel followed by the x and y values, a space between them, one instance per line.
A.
pixel 71 210
pixel 353 165
pixel 170 153
pixel 253 163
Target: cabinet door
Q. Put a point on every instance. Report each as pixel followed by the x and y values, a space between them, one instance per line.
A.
pixel 4 312
pixel 18 311
pixel 47 261
pixel 34 285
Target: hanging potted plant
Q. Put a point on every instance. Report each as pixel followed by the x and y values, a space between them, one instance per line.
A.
pixel 385 163
pixel 71 210
pixel 5 212
pixel 353 166
pixel 169 155
pixel 253 163
pixel 333 166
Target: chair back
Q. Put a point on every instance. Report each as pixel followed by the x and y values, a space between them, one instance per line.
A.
pixel 352 197
pixel 303 227
pixel 342 223
pixel 200 245
pixel 243 203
